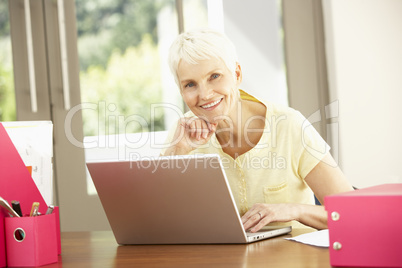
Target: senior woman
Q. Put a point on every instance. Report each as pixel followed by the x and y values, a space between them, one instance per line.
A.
pixel 273 160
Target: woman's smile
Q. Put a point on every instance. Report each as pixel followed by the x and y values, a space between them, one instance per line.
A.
pixel 212 105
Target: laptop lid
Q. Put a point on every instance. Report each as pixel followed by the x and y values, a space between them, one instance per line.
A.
pixel 169 200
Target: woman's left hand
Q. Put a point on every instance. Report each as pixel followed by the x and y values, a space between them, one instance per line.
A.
pixel 260 215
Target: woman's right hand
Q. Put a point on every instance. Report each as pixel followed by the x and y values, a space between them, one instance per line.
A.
pixel 191 133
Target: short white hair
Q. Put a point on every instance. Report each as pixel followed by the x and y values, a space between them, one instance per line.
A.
pixel 198 45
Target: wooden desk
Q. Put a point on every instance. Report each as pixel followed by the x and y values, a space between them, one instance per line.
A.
pixel 99 249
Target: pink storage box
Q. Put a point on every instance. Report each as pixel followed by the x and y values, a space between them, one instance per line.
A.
pixel 365 227
pixel 31 241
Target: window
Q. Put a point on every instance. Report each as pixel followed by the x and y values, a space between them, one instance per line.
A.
pixel 7 95
pixel 120 47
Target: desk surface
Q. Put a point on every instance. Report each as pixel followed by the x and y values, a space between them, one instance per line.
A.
pixel 99 249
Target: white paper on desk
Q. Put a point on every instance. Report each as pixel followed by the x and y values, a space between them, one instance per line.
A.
pixel 34 142
pixel 318 238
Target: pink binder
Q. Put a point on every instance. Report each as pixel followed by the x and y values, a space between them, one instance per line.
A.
pixel 365 227
pixel 15 184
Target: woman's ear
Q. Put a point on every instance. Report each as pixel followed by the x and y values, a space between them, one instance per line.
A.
pixel 238 73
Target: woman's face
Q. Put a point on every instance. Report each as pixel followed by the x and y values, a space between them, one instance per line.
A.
pixel 209 89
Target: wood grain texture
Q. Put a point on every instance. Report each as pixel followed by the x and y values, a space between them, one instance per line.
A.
pixel 99 249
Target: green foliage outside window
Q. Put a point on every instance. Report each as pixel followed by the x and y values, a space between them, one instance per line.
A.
pixel 120 65
pixel 7 96
pixel 126 87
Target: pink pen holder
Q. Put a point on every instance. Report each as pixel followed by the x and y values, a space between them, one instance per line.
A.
pixel 31 241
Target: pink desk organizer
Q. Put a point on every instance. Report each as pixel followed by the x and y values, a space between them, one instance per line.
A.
pixel 16 183
pixel 31 241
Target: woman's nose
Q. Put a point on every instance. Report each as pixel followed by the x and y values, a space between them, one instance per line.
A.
pixel 206 92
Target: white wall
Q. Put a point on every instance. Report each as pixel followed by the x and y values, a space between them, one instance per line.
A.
pixel 364 56
pixel 254 27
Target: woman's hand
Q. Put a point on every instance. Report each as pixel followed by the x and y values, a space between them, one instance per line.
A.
pixel 191 133
pixel 260 215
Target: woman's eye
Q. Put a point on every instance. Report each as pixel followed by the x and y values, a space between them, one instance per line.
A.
pixel 214 76
pixel 191 84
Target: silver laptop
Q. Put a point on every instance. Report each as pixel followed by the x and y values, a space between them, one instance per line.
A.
pixel 171 200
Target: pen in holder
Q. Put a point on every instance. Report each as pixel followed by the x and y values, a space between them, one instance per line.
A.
pixel 31 241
